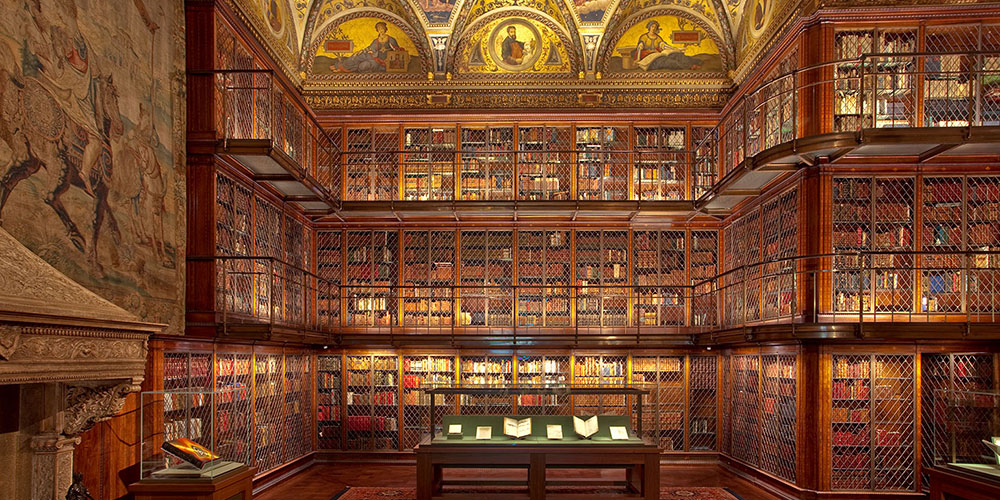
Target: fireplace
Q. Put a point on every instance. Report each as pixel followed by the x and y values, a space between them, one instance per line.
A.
pixel 68 358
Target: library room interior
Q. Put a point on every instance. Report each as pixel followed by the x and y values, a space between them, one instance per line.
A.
pixel 499 249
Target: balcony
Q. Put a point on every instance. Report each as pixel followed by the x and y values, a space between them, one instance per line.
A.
pixel 923 293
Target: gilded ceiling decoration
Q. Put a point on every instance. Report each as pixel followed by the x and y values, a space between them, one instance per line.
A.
pixel 437 46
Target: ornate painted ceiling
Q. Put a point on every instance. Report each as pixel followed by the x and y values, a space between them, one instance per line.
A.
pixel 349 53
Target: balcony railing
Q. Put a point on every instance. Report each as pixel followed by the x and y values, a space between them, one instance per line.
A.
pixel 872 91
pixel 910 287
pixel 256 106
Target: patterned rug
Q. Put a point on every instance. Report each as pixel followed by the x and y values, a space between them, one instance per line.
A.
pixel 666 493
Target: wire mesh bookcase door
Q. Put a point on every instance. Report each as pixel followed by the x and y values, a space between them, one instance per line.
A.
pixel 298 405
pixel 543 276
pixel 780 241
pixel 726 444
pixel 702 403
pixel 385 400
pixel 486 371
pixel 487 295
pixel 983 235
pixel 659 163
pixel 852 233
pixel 941 276
pixel 420 372
pixel 778 447
pixel 328 393
pixel 487 163
pixel 663 408
pixel 544 163
pixel 947 86
pixel 428 163
pixel 894 431
pixel 702 263
pixel 540 371
pixel 600 370
pixel 187 370
pixel 893 232
pixel 268 410
pixel 428 273
pixel 746 408
pixel 851 421
pixel 234 416
pixel 359 397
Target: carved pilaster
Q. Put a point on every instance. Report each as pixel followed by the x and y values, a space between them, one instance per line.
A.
pixel 52 465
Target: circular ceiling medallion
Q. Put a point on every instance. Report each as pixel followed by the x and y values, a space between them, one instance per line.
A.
pixel 515 44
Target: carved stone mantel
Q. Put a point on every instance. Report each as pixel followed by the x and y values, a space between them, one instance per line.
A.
pixel 89 354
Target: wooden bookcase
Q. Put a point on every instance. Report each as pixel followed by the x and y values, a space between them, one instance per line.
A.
pixel 543 276
pixel 329 403
pixel 602 277
pixel 372 397
pixel 600 369
pixel 490 370
pixel 659 263
pixel 487 163
pixel 664 408
pixel 602 160
pixel 428 163
pixel 371 163
pixel 428 274
pixel 421 370
pixel 545 163
pixel 371 273
pixel 545 369
pixel 486 274
pixel 659 163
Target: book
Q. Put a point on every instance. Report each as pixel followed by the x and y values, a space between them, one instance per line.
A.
pixel 516 428
pixel 994 445
pixel 190 452
pixel 585 428
pixel 484 432
pixel 454 430
pixel 553 431
pixel 618 432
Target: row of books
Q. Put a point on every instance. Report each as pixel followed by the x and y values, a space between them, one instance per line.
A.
pixel 370 423
pixel 371 378
pixel 381 398
pixel 852 389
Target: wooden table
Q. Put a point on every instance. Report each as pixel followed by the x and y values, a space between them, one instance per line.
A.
pixel 953 482
pixel 641 462
pixel 235 485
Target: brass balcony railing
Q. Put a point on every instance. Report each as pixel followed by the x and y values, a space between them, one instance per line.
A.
pixel 910 287
pixel 897 90
pixel 257 106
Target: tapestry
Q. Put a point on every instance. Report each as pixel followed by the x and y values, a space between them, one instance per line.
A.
pixel 92 145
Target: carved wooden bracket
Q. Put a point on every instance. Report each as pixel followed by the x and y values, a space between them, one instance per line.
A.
pixel 87 405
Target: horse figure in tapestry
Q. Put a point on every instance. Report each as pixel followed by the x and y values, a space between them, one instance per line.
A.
pixel 42 134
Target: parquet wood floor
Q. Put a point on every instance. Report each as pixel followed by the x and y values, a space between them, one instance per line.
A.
pixel 323 480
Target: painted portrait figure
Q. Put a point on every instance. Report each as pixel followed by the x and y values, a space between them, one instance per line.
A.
pixel 652 52
pixel 371 59
pixel 512 51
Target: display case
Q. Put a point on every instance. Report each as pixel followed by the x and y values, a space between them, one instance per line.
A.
pixel 873 422
pixel 660 163
pixel 372 398
pixel 664 410
pixel 544 295
pixel 420 372
pixel 602 163
pixel 544 163
pixel 940 375
pixel 486 276
pixel 967 418
pixel 219 420
pixel 543 370
pixel 329 380
pixel 487 163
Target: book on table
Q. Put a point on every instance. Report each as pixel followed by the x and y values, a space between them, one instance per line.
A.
pixel 454 431
pixel 484 432
pixel 618 432
pixel 190 452
pixel 554 431
pixel 585 428
pixel 516 428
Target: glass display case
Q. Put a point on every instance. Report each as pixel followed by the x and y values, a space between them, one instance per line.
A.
pixel 966 431
pixel 217 420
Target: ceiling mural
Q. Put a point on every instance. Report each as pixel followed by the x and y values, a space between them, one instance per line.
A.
pixel 337 44
pixel 667 44
pixel 517 43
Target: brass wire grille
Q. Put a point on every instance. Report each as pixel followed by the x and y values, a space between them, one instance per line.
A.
pixel 745 407
pixel 328 402
pixel 419 372
pixel 778 412
pixel 702 404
